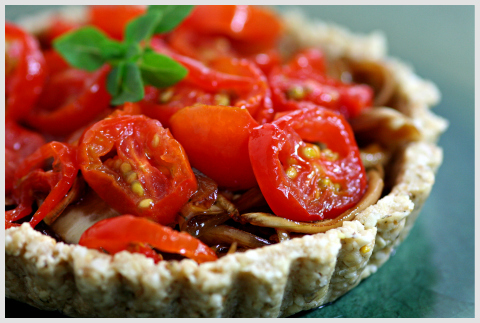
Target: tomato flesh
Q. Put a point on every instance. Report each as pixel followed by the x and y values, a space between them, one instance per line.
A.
pixel 25 72
pixel 19 144
pixel 113 19
pixel 136 166
pixel 303 79
pixel 250 29
pixel 299 180
pixel 127 231
pixel 31 179
pixel 71 99
pixel 216 141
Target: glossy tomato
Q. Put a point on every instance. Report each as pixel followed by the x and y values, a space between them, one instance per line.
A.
pixel 307 165
pixel 24 71
pixel 225 81
pixel 216 141
pixel 136 166
pixel 127 232
pixel 71 99
pixel 113 19
pixel 19 143
pixel 303 79
pixel 37 177
pixel 249 29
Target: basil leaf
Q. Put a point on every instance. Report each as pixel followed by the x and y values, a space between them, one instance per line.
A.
pixel 160 70
pixel 114 80
pixel 143 27
pixel 87 48
pixel 125 84
pixel 172 16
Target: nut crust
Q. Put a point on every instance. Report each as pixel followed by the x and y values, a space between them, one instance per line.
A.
pixel 273 281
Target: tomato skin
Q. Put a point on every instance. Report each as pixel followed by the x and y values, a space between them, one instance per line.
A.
pixel 19 143
pixel 31 178
pixel 252 29
pixel 118 233
pixel 239 81
pixel 58 27
pixel 162 179
pixel 303 79
pixel 300 197
pixel 25 74
pixel 82 97
pixel 216 141
pixel 55 63
pixel 113 19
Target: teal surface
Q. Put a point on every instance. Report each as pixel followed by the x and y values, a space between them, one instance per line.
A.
pixel 432 273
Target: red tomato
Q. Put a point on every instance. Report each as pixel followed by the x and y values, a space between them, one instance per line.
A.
pixel 205 48
pixel 55 62
pixel 113 19
pixel 250 29
pixel 127 232
pixel 300 181
pixel 31 181
pixel 136 166
pixel 216 141
pixel 71 99
pixel 304 79
pixel 226 81
pixel 24 71
pixel 58 27
pixel 19 143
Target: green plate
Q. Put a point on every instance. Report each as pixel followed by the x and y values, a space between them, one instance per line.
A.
pixel 432 273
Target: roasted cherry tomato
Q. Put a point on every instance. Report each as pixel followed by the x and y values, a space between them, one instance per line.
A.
pixel 127 232
pixel 55 62
pixel 249 29
pixel 32 181
pixel 58 27
pixel 216 141
pixel 307 165
pixel 303 79
pixel 136 166
pixel 19 143
pixel 24 71
pixel 226 81
pixel 71 99
pixel 113 19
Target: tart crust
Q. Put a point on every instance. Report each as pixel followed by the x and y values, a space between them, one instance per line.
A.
pixel 273 281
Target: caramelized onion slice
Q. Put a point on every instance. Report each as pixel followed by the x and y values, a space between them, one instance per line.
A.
pixel 251 198
pixel 77 218
pixel 374 155
pixel 385 126
pixel 369 72
pixel 227 234
pixel 374 190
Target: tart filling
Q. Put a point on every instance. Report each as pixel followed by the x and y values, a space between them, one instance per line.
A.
pixel 290 266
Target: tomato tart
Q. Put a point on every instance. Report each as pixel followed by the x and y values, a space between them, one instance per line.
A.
pixel 214 161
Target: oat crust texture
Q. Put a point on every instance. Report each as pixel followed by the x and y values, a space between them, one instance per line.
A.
pixel 273 281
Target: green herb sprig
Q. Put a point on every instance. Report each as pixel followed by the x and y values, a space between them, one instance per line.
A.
pixel 134 63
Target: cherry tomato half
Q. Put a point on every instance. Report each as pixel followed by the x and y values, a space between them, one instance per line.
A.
pixel 136 166
pixel 113 19
pixel 250 29
pixel 303 79
pixel 127 232
pixel 19 143
pixel 226 81
pixel 71 99
pixel 24 71
pixel 216 141
pixel 301 179
pixel 32 181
